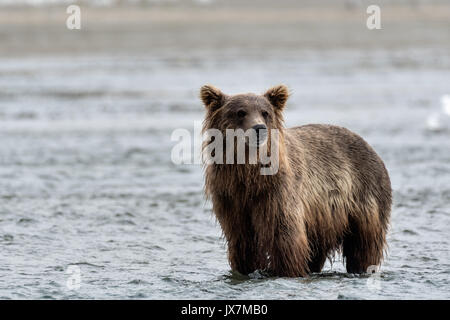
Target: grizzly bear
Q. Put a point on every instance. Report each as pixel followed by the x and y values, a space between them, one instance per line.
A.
pixel 331 193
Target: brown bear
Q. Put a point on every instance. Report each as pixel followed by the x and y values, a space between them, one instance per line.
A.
pixel 331 192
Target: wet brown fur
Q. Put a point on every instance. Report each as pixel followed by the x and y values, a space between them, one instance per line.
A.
pixel 332 193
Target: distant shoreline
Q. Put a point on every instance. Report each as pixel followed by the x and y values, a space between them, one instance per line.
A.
pixel 140 30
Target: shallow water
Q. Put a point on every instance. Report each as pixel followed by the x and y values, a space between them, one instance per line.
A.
pixel 86 177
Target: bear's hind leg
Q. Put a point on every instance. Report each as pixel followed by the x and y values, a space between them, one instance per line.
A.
pixel 317 261
pixel 363 245
pixel 241 255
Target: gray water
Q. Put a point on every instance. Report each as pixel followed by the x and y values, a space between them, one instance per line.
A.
pixel 86 176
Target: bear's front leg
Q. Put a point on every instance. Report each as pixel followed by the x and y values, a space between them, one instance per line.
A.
pixel 290 255
pixel 242 255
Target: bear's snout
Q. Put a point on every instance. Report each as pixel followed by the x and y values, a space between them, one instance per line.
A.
pixel 260 130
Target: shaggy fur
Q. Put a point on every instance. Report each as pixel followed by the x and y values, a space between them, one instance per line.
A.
pixel 332 193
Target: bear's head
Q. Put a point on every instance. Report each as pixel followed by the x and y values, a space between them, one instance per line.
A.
pixel 245 111
pixel 244 129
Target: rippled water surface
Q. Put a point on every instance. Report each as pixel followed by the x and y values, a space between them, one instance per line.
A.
pixel 86 177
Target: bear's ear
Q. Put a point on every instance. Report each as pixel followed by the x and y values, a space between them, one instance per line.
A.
pixel 277 96
pixel 211 97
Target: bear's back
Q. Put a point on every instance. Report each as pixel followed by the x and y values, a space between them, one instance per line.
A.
pixel 331 158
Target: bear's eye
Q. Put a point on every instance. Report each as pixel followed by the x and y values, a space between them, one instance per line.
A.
pixel 241 113
pixel 265 114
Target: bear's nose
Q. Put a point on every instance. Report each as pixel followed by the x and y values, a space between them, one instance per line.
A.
pixel 259 127
pixel 260 130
